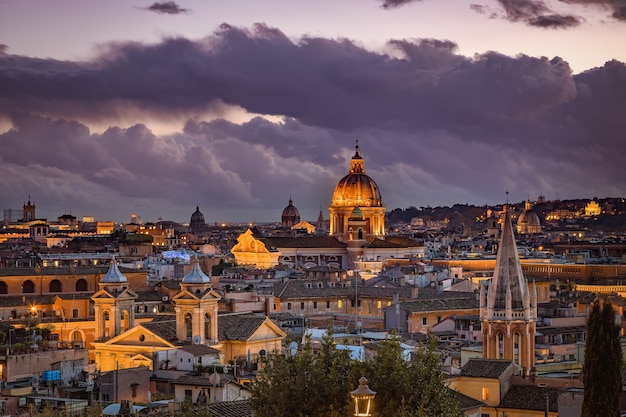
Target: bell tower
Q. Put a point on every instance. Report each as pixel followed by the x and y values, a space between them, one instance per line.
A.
pixel 196 306
pixel 508 310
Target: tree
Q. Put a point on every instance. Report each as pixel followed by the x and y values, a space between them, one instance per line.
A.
pixel 309 385
pixel 602 368
pixel 411 388
pixel 303 384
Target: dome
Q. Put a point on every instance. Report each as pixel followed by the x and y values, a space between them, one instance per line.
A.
pixel 197 216
pixel 196 276
pixel 356 189
pixel 291 215
pixel 113 275
pixel 528 221
pixel 197 223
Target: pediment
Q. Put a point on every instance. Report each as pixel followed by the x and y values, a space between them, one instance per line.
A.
pixel 247 242
pixel 267 330
pixel 138 336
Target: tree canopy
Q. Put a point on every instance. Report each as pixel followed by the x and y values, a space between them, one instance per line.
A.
pixel 319 385
pixel 602 368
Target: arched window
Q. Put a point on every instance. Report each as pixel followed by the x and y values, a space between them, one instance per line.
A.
pixel 81 285
pixel 77 339
pixel 360 234
pixel 4 289
pixel 207 326
pixel 28 287
pixel 55 286
pixel 188 330
pixel 516 344
pixel 500 351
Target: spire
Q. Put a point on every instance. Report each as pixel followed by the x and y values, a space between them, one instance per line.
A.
pixel 508 288
pixel 356 164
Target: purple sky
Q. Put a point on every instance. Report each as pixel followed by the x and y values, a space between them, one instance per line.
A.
pixel 109 108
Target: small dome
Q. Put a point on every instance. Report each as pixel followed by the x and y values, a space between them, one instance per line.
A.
pixel 196 276
pixel 113 275
pixel 291 215
pixel 356 189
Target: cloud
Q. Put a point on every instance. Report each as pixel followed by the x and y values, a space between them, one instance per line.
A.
pixel 392 4
pixel 166 7
pixel 554 21
pixel 4 48
pixel 435 127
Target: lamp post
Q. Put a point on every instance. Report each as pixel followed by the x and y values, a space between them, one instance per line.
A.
pixel 363 399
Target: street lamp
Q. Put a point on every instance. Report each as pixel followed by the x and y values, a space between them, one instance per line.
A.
pixel 363 398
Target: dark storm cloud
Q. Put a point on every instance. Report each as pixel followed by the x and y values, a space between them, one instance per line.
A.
pixel 554 21
pixel 167 7
pixel 435 127
pixel 535 13
pixel 617 8
pixel 391 4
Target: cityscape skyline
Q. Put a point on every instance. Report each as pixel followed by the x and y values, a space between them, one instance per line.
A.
pixel 110 109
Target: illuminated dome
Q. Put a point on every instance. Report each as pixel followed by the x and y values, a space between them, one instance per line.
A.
pixel 528 222
pixel 291 215
pixel 356 208
pixel 356 189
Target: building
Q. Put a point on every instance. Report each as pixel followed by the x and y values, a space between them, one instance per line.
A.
pixel 357 232
pixel 528 222
pixel 290 216
pixel 508 311
pixel 197 224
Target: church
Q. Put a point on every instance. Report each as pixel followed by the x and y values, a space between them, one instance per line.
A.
pixel 357 238
pixel 123 342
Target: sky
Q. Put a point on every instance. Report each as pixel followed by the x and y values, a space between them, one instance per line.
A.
pixel 114 107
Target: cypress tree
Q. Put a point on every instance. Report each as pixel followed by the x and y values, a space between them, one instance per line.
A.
pixel 602 368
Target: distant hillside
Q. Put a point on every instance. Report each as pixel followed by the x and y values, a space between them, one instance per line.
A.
pixel 612 219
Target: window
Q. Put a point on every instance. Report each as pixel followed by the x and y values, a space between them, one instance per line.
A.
pixel 302 306
pixel 28 287
pixel 55 286
pixel 288 306
pixel 188 394
pixel 81 285
pixel 438 319
pixel 315 304
pixel 339 303
pixel 379 304
pixel 424 321
pixel 327 304
pixel 133 388
pixel 3 288
pixel 485 393
pixel 75 313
